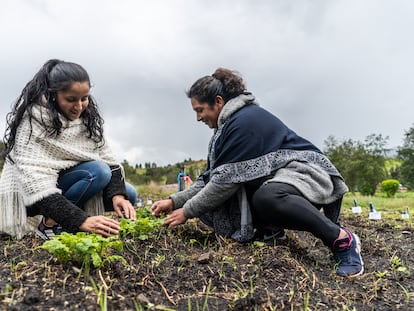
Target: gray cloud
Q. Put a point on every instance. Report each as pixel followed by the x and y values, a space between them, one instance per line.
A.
pixel 339 68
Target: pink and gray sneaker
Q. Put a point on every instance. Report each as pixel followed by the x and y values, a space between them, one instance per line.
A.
pixel 347 254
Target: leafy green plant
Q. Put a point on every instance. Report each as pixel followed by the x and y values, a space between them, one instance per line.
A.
pixel 141 228
pixel 390 187
pixel 84 249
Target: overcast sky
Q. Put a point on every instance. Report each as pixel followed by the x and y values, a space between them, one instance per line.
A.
pixel 341 68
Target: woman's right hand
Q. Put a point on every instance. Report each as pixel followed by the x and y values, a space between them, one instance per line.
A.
pixel 100 224
pixel 162 207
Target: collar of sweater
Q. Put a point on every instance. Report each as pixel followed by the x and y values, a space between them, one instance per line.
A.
pixel 234 105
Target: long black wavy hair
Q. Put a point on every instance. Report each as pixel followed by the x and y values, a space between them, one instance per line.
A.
pixel 54 76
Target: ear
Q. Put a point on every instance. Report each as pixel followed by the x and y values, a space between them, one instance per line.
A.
pixel 219 101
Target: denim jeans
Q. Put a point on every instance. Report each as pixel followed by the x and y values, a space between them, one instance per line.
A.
pixel 83 181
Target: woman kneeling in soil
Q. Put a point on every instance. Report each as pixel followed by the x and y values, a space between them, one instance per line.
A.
pixel 260 175
pixel 57 160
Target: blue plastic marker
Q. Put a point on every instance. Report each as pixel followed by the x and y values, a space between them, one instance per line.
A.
pixel 181 181
pixel 372 208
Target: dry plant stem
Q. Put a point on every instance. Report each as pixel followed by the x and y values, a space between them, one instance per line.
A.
pixel 166 294
pixel 102 279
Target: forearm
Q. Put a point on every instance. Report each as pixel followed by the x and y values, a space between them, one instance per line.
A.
pixel 61 210
pixel 179 198
pixel 209 198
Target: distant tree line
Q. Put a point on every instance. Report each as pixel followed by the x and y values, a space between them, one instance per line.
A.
pixel 364 165
pixel 150 172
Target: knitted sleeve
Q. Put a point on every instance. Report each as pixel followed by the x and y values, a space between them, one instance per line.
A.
pixel 61 210
pixel 116 185
pixel 209 198
pixel 179 198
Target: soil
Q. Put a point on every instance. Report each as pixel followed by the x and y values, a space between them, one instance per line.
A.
pixel 190 268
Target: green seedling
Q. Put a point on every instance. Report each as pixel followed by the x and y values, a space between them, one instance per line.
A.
pixel 143 227
pixel 242 290
pixel 398 265
pixel 158 260
pixel 380 274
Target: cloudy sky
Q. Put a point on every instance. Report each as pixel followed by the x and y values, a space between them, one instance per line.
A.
pixel 341 68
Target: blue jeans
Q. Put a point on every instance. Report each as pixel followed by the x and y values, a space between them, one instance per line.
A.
pixel 83 181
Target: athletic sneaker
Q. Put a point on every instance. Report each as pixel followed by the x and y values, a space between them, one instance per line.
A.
pixel 347 254
pixel 46 232
pixel 269 232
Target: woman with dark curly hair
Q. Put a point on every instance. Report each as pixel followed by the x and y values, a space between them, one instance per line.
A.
pixel 57 163
pixel 261 177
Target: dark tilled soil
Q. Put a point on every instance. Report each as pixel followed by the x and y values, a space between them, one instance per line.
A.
pixel 192 269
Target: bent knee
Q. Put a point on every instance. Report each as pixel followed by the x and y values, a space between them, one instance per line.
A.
pixel 101 172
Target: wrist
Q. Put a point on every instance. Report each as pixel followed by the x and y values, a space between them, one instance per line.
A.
pixel 118 197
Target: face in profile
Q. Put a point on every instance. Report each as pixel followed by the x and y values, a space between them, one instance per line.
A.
pixel 206 113
pixel 73 101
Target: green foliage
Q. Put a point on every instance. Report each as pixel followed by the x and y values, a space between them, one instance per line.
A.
pixel 392 167
pixel 84 249
pixel 390 187
pixel 406 154
pixel 145 225
pixel 140 175
pixel 361 164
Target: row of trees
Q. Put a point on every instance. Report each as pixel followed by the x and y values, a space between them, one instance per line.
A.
pixel 364 165
pixel 139 175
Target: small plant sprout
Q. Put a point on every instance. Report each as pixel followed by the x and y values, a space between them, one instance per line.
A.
pixel 158 260
pixel 398 265
pixel 259 243
pixel 242 290
pixel 195 241
pixel 380 274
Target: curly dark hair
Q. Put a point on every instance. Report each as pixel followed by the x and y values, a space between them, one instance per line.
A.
pixel 54 76
pixel 223 82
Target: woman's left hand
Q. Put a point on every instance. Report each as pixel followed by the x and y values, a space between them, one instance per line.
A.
pixel 123 207
pixel 176 218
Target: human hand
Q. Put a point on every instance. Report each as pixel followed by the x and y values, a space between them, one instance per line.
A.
pixel 100 224
pixel 123 207
pixel 176 218
pixel 162 207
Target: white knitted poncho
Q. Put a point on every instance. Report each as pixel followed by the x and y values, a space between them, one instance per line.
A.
pixel 38 159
